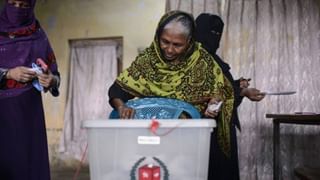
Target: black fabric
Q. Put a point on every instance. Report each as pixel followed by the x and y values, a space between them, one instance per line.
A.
pixel 236 88
pixel 116 91
pixel 55 89
pixel 24 150
pixel 209 30
pixel 220 166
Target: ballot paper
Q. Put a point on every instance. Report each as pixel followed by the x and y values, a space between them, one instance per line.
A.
pixel 280 93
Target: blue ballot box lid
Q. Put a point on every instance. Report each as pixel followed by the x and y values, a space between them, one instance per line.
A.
pixel 160 108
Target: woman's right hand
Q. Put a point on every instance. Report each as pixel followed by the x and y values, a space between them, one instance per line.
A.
pixel 253 94
pixel 21 74
pixel 125 112
pixel 209 113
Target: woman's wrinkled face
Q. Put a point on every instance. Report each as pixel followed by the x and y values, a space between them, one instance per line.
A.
pixel 173 43
pixel 19 4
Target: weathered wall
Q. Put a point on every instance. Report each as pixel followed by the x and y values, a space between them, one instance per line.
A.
pixel 134 20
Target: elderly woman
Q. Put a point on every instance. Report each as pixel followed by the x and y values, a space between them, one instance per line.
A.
pixel 24 151
pixel 175 66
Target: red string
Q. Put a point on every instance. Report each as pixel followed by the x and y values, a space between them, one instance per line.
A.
pixel 81 163
pixel 154 126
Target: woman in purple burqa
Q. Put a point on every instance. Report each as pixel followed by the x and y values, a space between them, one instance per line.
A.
pixel 23 151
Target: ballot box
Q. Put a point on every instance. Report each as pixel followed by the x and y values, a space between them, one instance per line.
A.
pixel 149 149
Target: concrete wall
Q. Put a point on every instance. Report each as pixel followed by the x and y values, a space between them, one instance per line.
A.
pixel 133 20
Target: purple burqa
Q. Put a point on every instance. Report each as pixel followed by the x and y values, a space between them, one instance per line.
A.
pixel 24 151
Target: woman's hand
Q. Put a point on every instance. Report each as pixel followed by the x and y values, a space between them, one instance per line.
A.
pixel 212 113
pixel 253 94
pixel 21 74
pixel 47 79
pixel 244 83
pixel 125 112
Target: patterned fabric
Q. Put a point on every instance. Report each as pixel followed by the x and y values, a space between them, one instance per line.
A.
pixel 21 45
pixel 25 31
pixel 197 76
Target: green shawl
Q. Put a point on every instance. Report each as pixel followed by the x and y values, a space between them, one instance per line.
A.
pixel 197 76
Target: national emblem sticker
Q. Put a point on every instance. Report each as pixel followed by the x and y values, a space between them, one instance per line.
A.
pixel 151 171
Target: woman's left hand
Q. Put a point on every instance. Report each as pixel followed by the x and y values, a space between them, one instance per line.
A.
pixel 47 79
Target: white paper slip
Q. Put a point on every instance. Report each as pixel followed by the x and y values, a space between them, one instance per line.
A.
pixel 280 93
pixel 152 140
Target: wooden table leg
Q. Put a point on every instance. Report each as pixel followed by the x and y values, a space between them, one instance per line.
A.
pixel 276 149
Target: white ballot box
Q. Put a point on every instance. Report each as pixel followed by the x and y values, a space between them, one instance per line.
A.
pixel 131 150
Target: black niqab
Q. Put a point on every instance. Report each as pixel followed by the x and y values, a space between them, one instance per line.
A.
pixel 209 28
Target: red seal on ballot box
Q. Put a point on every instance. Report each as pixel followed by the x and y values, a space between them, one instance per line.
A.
pixel 149 172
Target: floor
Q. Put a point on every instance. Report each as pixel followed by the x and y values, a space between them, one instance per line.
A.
pixel 68 173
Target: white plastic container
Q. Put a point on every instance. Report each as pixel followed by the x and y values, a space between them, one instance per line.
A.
pixel 119 148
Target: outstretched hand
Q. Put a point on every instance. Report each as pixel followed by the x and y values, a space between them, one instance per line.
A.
pixel 253 94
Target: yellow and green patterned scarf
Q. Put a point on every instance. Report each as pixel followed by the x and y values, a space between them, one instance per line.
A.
pixel 197 76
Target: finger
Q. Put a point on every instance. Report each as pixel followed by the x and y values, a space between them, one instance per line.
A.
pixel 206 114
pixel 259 97
pixel 261 93
pixel 214 100
pixel 211 114
pixel 48 71
pixel 201 100
pixel 126 113
pixel 123 115
pixel 44 84
pixel 43 79
pixel 262 96
pixel 22 79
pixel 31 76
pixel 25 80
pixel 27 70
pixel 132 112
pixel 31 73
pixel 45 76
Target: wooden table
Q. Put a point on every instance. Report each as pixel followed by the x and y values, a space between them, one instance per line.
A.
pixel 303 119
